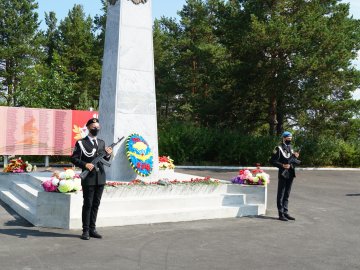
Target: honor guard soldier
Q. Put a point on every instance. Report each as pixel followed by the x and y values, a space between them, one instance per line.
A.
pixel 285 159
pixel 85 151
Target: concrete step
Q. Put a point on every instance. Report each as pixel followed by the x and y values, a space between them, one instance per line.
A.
pixel 254 194
pixel 19 205
pixel 36 181
pixel 130 204
pixel 172 215
pixel 26 190
pixel 233 199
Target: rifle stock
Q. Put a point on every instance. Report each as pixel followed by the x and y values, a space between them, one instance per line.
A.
pixel 100 158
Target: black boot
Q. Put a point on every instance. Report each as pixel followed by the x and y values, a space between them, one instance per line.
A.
pixel 288 216
pixel 94 234
pixel 85 235
pixel 282 217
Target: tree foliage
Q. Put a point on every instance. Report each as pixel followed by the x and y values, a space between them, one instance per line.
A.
pixel 262 66
pixel 19 46
pixel 51 68
pixel 77 52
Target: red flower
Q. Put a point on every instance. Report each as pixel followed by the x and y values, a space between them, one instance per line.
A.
pixel 163 159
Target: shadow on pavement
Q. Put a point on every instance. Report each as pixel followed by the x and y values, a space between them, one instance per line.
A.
pixel 25 233
pixel 18 222
pixel 263 217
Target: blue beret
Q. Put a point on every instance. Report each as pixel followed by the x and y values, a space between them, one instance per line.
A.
pixel 286 134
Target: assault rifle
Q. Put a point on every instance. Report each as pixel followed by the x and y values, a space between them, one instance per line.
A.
pixel 292 161
pixel 100 158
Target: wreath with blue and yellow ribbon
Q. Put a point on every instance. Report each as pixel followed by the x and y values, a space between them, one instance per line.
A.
pixel 139 154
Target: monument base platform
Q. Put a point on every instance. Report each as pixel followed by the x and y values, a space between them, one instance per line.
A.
pixel 128 205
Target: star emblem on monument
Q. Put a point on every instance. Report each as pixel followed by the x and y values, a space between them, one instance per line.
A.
pixel 136 2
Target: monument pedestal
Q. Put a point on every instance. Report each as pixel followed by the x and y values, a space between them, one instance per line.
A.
pixel 167 174
pixel 126 205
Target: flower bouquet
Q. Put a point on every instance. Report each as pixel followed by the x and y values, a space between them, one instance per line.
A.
pixel 252 177
pixel 166 168
pixel 166 163
pixel 17 165
pixel 64 182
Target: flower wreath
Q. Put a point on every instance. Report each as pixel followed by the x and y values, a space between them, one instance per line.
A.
pixel 139 154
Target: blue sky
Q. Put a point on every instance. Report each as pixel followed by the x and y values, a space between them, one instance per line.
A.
pixel 166 8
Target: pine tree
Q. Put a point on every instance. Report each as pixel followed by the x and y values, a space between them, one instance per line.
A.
pixel 294 61
pixel 76 51
pixel 52 38
pixel 19 46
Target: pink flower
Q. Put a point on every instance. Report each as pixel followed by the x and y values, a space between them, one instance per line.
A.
pixel 48 186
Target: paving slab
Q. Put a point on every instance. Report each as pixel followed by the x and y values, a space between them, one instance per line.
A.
pixel 325 235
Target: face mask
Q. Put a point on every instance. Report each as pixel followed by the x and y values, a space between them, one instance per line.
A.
pixel 94 131
pixel 287 142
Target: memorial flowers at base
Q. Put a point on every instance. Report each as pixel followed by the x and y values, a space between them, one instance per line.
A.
pixel 252 177
pixel 192 181
pixel 64 182
pixel 166 163
pixel 17 165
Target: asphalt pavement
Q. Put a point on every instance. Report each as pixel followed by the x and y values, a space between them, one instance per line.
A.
pixel 325 235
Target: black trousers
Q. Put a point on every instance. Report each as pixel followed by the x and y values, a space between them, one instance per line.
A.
pixel 92 197
pixel 283 193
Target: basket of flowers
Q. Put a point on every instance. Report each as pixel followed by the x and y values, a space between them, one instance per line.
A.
pixel 252 177
pixel 166 163
pixel 64 182
pixel 166 167
pixel 17 165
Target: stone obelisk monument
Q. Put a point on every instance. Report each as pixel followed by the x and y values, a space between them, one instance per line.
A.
pixel 127 99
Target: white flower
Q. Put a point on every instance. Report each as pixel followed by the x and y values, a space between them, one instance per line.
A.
pixel 69 174
pixel 66 186
pixel 29 167
pixel 55 181
pixel 77 184
pixel 62 175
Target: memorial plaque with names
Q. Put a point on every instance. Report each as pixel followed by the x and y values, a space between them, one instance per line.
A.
pixel 30 131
